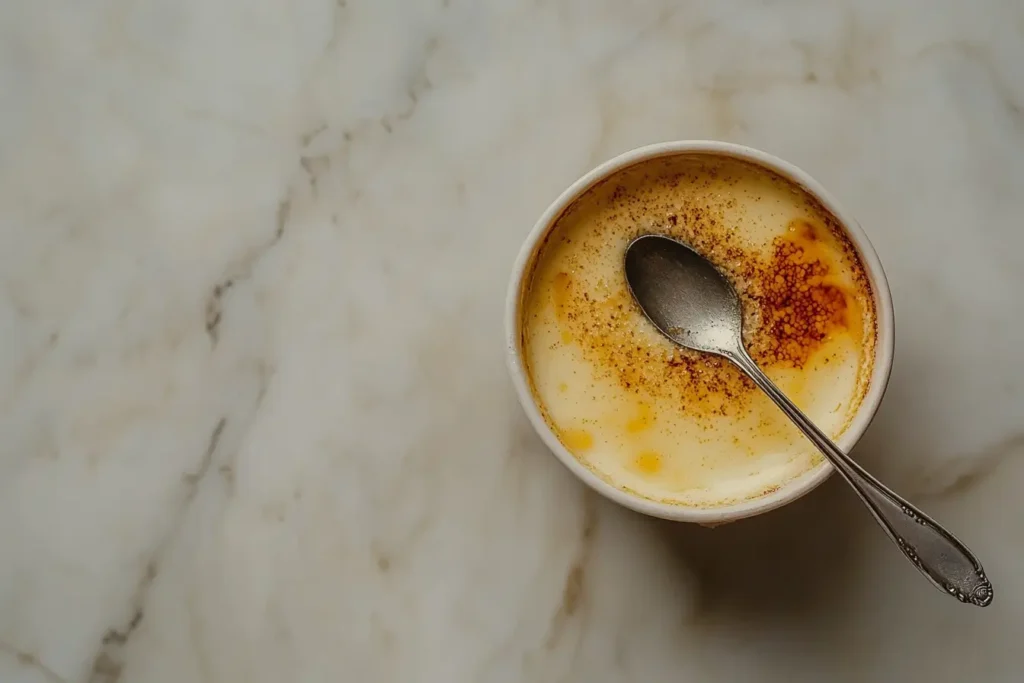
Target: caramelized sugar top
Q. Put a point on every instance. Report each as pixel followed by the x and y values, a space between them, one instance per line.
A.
pixel 798 276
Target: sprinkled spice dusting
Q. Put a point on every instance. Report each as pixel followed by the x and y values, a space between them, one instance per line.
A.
pixel 798 276
pixel 793 302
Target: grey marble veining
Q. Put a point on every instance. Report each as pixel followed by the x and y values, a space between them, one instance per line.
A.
pixel 221 462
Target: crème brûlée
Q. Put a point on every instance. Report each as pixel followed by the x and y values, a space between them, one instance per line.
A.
pixel 673 425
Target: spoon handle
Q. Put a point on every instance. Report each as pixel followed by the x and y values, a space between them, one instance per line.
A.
pixel 938 554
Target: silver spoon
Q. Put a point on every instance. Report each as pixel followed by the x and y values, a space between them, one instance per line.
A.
pixel 692 304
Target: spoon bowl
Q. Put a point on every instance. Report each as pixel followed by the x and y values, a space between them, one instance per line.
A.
pixel 684 295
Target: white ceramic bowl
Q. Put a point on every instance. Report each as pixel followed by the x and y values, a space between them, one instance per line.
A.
pixel 798 486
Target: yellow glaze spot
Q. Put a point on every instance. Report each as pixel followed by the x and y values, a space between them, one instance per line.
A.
pixel 648 462
pixel 561 292
pixel 577 439
pixel 642 421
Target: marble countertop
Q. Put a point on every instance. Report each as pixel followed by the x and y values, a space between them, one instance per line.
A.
pixel 256 420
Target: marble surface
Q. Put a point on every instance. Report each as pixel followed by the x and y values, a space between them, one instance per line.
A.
pixel 256 420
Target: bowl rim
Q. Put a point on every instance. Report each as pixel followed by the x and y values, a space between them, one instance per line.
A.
pixel 884 341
